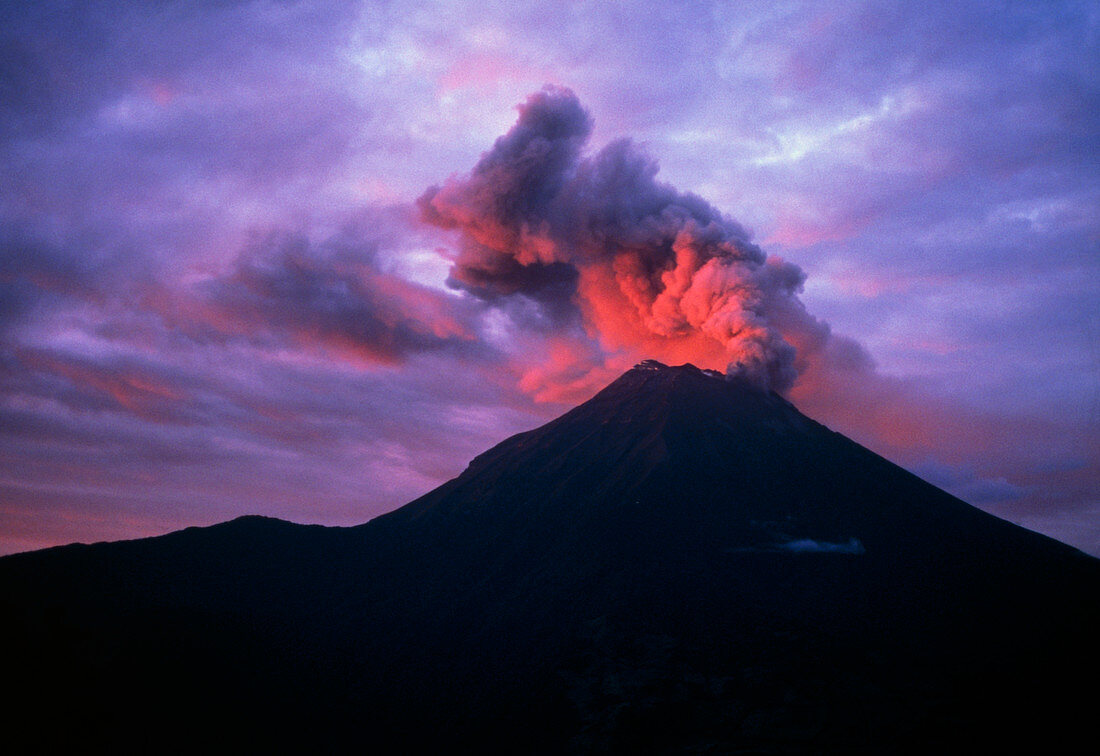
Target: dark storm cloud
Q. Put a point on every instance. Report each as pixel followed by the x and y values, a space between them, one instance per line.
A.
pixel 330 298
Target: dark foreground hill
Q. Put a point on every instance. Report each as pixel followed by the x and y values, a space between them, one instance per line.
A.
pixel 683 564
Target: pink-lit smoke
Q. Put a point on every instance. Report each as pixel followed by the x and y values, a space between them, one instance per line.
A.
pixel 647 270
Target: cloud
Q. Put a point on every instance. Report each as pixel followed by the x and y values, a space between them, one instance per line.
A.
pixel 182 208
pixel 43 268
pixel 283 291
pixel 648 270
pixel 967 485
pixel 810 546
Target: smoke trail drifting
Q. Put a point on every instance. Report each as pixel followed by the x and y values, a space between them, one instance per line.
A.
pixel 646 269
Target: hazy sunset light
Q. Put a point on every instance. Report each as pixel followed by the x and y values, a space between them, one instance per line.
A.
pixel 308 259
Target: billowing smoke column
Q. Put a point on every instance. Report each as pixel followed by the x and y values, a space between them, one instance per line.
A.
pixel 645 269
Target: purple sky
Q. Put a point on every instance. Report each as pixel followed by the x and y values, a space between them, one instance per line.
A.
pixel 219 294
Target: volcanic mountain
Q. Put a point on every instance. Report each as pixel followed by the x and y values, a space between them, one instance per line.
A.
pixel 684 563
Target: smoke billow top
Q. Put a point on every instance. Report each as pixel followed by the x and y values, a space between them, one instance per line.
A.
pixel 644 268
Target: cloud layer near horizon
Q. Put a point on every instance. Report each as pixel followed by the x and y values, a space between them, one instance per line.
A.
pixel 218 294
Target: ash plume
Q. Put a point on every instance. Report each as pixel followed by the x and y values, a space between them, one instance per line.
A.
pixel 598 240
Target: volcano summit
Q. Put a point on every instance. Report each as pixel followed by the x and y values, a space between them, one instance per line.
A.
pixel 684 563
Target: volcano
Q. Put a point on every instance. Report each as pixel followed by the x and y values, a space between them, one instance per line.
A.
pixel 683 564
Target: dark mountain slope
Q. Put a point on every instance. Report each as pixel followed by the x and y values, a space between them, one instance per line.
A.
pixel 683 563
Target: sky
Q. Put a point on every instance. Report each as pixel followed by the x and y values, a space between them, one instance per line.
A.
pixel 307 259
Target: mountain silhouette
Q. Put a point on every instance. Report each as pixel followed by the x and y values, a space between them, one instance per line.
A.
pixel 682 564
